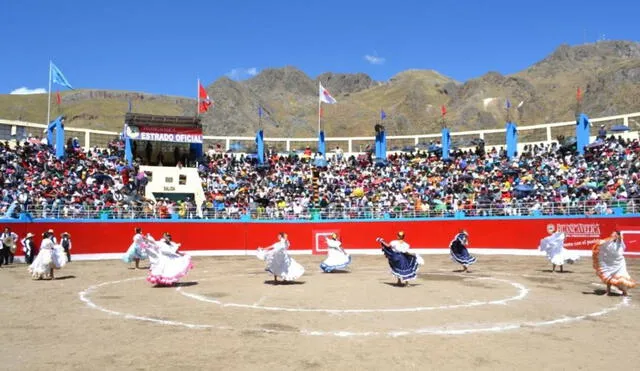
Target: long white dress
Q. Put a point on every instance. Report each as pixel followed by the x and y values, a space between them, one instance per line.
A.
pixel 50 256
pixel 167 266
pixel 610 265
pixel 279 263
pixel 553 246
pixel 337 258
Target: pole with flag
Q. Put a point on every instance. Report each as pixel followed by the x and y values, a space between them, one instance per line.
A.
pixel 55 76
pixel 323 97
pixel 203 102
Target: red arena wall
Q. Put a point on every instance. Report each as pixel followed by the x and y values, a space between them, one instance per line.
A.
pixel 104 237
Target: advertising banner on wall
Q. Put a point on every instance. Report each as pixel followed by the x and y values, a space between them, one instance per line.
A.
pixel 165 134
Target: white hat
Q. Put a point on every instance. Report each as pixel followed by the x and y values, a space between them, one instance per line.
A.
pixel 29 235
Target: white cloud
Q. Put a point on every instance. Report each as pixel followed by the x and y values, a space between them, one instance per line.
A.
pixel 242 73
pixel 374 59
pixel 24 90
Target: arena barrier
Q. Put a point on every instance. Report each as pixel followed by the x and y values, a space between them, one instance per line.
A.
pixel 92 240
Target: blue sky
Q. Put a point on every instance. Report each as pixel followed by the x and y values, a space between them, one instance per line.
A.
pixel 162 46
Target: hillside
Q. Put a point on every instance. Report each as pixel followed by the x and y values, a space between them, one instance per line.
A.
pixel 608 73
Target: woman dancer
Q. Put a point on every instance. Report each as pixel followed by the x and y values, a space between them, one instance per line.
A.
pixel 609 263
pixel 459 252
pixel 404 263
pixel 337 258
pixel 49 257
pixel 137 249
pixel 167 266
pixel 553 246
pixel 279 263
pixel 168 244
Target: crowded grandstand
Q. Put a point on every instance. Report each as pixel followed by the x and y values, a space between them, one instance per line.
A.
pixel 546 179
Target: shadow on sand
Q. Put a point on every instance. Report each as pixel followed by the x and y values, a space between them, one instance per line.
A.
pixel 283 283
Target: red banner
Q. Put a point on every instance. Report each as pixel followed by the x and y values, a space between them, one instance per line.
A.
pixel 165 134
pixel 99 237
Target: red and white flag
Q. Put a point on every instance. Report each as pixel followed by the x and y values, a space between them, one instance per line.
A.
pixel 325 97
pixel 203 98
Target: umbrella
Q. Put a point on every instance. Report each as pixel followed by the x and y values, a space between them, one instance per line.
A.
pixel 597 143
pixel 524 188
pixel 434 148
pixel 619 128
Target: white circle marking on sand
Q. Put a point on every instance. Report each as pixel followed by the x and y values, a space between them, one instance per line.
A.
pixel 522 293
pixel 84 297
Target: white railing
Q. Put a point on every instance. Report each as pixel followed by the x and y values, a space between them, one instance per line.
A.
pixel 513 209
pixel 624 119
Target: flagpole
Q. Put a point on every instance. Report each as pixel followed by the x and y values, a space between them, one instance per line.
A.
pixel 49 101
pixel 319 109
pixel 198 98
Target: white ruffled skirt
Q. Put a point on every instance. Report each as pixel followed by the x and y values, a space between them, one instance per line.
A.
pixel 46 260
pixel 553 246
pixel 335 260
pixel 280 264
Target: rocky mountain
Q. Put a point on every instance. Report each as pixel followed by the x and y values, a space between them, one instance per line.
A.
pixel 607 72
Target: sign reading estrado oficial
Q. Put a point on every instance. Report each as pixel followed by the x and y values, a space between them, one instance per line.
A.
pixel 165 134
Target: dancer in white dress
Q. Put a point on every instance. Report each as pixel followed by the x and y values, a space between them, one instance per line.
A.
pixel 337 258
pixel 49 257
pixel 167 264
pixel 553 246
pixel 279 263
pixel 137 250
pixel 610 265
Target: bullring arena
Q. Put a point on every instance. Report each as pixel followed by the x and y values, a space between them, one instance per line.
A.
pixel 510 312
pixel 227 314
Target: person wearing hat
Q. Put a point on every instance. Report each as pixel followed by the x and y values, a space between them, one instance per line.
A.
pixel 459 252
pixel 65 242
pixel 8 240
pixel 337 258
pixel 28 247
pixel 404 263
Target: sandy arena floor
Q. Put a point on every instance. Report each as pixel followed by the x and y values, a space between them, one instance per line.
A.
pixel 511 312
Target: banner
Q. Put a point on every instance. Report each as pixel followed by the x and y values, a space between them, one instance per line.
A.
pixel 165 134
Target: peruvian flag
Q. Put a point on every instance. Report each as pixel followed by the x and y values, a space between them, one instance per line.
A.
pixel 443 110
pixel 325 96
pixel 58 98
pixel 203 98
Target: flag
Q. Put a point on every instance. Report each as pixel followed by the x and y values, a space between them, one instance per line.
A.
pixel 507 104
pixel 203 97
pixel 321 111
pixel 58 98
pixel 521 104
pixel 57 76
pixel 259 111
pixel 443 110
pixel 325 97
pixel 383 115
pixel 579 95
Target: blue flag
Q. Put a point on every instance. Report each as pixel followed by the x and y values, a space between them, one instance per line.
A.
pixel 57 76
pixel 507 105
pixel 383 115
pixel 259 111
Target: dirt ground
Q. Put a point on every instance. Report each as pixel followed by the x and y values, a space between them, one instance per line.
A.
pixel 509 313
